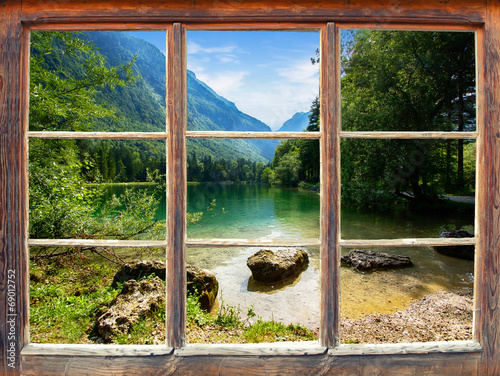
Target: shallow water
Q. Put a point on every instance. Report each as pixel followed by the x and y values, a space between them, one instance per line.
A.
pixel 258 211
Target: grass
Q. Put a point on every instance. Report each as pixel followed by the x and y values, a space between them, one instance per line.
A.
pixel 67 293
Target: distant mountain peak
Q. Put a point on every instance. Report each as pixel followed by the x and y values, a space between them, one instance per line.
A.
pixel 297 123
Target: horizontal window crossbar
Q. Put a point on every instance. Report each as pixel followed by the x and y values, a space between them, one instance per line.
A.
pixel 110 243
pixel 409 135
pixel 413 242
pixel 100 135
pixel 191 243
pixel 249 135
pixel 224 134
pixel 202 243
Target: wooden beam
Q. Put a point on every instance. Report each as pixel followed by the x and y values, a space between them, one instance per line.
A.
pixel 100 135
pixel 460 358
pixel 487 278
pixel 157 11
pixel 257 135
pixel 330 185
pixel 176 104
pixel 413 242
pixel 410 135
pixel 14 331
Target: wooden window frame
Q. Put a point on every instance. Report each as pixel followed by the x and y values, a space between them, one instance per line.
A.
pixel 479 356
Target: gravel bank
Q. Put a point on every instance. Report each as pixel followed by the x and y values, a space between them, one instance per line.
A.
pixel 444 316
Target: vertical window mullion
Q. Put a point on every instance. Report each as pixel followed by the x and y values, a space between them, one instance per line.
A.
pixel 176 97
pixel 330 184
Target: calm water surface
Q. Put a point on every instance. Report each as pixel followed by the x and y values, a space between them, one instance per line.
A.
pixel 259 211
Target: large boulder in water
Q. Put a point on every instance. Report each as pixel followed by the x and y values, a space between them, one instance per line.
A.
pixel 465 252
pixel 269 266
pixel 200 282
pixel 364 260
pixel 137 300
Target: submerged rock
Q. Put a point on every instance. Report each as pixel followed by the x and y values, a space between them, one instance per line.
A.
pixel 269 266
pixel 364 260
pixel 465 252
pixel 136 301
pixel 200 282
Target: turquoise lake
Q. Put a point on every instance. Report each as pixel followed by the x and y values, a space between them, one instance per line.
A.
pixel 260 211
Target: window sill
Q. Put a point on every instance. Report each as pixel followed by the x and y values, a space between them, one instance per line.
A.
pixel 408 348
pixel 36 349
pixel 252 349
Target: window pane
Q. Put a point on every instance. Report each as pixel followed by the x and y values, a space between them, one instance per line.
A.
pixel 407 188
pixel 88 296
pixel 97 81
pixel 247 196
pixel 252 307
pixel 432 300
pixel 92 189
pixel 251 80
pixel 408 81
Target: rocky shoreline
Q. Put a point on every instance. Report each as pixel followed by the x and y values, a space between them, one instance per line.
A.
pixel 444 316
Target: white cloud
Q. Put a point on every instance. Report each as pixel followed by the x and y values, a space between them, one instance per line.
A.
pixel 195 48
pixel 226 83
pixel 277 103
pixel 302 72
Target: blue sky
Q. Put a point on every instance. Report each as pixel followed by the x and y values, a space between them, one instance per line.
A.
pixel 268 75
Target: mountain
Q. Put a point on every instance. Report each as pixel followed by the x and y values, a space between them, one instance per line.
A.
pixel 297 123
pixel 141 107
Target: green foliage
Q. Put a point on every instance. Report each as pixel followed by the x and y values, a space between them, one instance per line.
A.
pixel 297 161
pixel 286 173
pixel 60 203
pixel 65 293
pixel 209 169
pixel 65 74
pixel 405 81
pixel 272 331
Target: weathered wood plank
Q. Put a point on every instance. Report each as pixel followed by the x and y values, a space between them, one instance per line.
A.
pixel 97 351
pixel 100 135
pixel 330 185
pixel 13 266
pixel 192 243
pixel 250 135
pixel 262 242
pixel 164 135
pixel 432 363
pixel 487 279
pixel 222 134
pixel 253 349
pixel 156 11
pixel 410 135
pixel 409 242
pixel 176 98
pixel 407 348
pixel 108 243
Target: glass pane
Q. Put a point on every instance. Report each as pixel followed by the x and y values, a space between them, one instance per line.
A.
pixel 251 80
pixel 252 197
pixel 97 81
pixel 408 81
pixel 431 300
pixel 91 189
pixel 262 305
pixel 407 188
pixel 85 296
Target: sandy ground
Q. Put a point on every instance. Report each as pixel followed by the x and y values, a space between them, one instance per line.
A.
pixel 443 316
